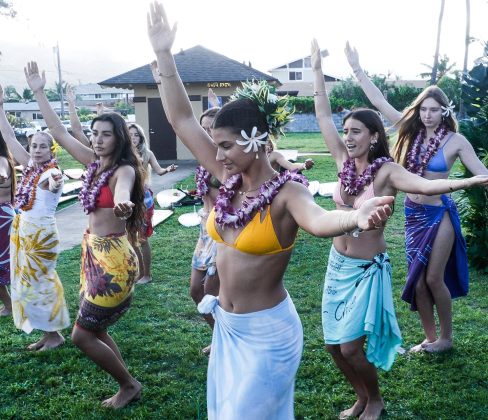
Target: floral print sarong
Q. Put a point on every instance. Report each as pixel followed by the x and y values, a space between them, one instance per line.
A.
pixel 37 293
pixel 109 270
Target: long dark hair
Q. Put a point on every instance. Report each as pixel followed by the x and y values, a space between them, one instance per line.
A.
pixel 5 152
pixel 373 123
pixel 410 123
pixel 125 154
pixel 241 114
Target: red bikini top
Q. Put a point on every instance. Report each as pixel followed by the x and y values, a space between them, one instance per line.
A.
pixel 105 200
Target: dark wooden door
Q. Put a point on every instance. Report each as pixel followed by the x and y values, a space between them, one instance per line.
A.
pixel 161 134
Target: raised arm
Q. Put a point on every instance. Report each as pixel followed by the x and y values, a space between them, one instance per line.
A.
pixel 369 88
pixel 17 150
pixel 403 180
pixel 76 127
pixel 323 111
pixel 319 222
pixel 173 94
pixel 37 82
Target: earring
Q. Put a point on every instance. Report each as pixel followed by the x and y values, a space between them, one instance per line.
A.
pixel 372 146
pixel 257 156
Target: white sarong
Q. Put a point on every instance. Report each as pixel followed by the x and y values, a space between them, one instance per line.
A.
pixel 37 293
pixel 253 362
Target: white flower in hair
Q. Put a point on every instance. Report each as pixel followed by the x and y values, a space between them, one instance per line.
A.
pixel 272 98
pixel 252 143
pixel 447 110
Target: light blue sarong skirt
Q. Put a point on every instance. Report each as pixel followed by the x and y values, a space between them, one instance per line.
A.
pixel 253 362
pixel 357 301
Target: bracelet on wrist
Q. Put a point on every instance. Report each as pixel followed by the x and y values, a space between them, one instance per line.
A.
pixel 320 93
pixel 167 75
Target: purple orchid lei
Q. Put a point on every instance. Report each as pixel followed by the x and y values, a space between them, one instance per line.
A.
pixel 26 189
pixel 353 183
pixel 226 215
pixel 413 164
pixel 202 179
pixel 89 193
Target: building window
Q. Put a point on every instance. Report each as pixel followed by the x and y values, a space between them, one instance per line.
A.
pixel 113 96
pixel 295 75
pixel 17 114
pixel 307 62
pixel 98 96
pixel 37 116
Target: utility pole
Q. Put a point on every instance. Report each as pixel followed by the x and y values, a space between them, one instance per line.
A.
pixel 60 80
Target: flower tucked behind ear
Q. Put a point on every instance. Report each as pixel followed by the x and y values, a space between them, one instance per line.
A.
pixel 55 148
pixel 252 142
pixel 447 110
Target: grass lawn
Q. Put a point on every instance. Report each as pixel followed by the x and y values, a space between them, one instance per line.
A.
pixel 162 335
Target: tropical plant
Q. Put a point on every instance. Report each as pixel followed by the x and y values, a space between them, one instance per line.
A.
pixel 27 95
pixel 444 67
pixel 11 94
pixel 473 203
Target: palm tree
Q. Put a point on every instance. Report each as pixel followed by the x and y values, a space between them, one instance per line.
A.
pixel 433 77
pixel 467 41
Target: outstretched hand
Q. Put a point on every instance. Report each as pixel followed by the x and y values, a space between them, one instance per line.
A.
pixel 171 168
pixel 308 164
pixel 35 80
pixel 375 212
pixel 159 31
pixel 123 210
pixel 352 57
pixel 481 180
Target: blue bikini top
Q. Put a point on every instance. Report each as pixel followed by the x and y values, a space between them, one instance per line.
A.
pixel 438 162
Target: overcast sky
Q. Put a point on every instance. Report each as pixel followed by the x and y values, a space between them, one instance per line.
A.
pixel 99 39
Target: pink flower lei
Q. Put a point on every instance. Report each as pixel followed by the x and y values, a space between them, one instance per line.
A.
pixel 26 189
pixel 416 165
pixel 353 183
pixel 202 179
pixel 89 193
pixel 227 215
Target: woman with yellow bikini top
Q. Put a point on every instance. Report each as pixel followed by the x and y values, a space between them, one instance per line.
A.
pixel 257 338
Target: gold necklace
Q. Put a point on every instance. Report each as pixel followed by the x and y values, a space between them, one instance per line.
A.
pixel 255 189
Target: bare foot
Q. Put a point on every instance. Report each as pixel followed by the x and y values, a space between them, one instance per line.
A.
pixel 38 344
pixel 419 347
pixel 144 280
pixel 438 346
pixel 54 339
pixel 126 394
pixel 206 350
pixel 373 410
pixel 5 312
pixel 354 411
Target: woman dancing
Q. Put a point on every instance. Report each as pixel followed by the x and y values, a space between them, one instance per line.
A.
pixel 257 338
pixel 428 145
pixel 149 161
pixel 37 293
pixel 7 213
pixel 113 196
pixel 357 297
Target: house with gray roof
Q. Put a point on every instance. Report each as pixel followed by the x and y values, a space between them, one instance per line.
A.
pixel 200 69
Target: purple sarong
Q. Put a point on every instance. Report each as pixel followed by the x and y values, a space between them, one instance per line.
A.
pixel 7 214
pixel 421 225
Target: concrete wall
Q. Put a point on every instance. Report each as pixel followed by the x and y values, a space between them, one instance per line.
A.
pixel 307 123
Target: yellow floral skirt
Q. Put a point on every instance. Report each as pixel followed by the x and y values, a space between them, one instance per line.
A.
pixel 109 270
pixel 37 293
